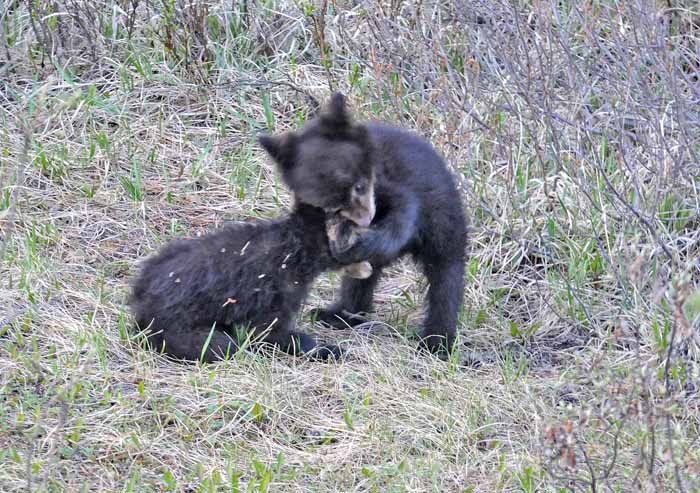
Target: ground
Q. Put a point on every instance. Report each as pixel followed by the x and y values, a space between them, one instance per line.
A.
pixel 573 134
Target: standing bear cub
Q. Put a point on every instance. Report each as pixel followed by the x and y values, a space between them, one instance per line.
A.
pixel 394 182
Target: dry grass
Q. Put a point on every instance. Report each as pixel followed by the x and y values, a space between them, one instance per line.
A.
pixel 575 131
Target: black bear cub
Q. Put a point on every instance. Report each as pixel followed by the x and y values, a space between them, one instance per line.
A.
pixel 394 182
pixel 249 276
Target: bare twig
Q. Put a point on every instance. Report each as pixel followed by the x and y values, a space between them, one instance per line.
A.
pixel 21 166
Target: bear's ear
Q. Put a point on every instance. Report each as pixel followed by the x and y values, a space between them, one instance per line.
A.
pixel 280 147
pixel 334 115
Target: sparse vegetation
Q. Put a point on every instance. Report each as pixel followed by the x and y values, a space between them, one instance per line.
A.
pixel 575 131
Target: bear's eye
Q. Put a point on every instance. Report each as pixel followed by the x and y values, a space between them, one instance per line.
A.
pixel 360 189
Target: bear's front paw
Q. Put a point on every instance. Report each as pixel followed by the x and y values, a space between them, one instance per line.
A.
pixel 327 352
pixel 337 319
pixel 359 252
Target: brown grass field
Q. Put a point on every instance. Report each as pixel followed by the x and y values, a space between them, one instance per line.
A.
pixel 574 130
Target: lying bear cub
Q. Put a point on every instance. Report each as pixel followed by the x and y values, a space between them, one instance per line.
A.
pixel 197 297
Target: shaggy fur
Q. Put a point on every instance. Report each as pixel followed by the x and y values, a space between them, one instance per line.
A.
pixel 417 210
pixel 246 277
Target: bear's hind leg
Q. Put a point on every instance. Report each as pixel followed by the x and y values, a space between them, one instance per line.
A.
pixel 298 343
pixel 445 294
pixel 188 344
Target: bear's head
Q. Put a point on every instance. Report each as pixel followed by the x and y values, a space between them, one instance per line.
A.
pixel 328 163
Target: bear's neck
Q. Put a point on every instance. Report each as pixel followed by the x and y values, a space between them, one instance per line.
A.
pixel 310 224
